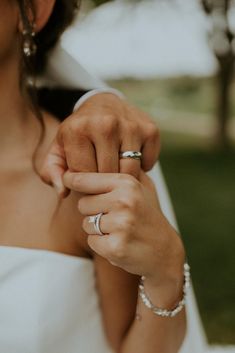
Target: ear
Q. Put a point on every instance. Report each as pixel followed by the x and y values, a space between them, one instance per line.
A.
pixel 43 11
pixel 41 14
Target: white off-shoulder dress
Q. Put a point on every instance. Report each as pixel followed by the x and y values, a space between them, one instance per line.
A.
pixel 49 301
pixel 48 304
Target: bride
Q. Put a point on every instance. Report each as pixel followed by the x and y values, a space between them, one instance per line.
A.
pixel 69 280
pixel 63 287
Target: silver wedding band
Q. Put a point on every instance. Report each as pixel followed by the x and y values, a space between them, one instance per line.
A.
pixel 95 220
pixel 131 154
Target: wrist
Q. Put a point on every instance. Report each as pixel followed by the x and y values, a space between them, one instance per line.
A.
pixel 166 283
pixel 165 307
pixel 167 293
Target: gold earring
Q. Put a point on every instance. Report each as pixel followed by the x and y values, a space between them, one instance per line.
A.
pixel 29 46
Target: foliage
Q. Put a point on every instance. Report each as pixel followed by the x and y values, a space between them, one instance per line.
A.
pixel 100 2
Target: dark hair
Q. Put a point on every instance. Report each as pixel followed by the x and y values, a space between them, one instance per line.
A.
pixel 62 16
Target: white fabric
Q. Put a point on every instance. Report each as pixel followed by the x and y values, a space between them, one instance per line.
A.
pixel 48 304
pixel 93 92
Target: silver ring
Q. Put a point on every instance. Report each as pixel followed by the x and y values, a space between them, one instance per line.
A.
pixel 95 220
pixel 131 154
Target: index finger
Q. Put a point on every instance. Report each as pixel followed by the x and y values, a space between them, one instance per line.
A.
pixel 90 183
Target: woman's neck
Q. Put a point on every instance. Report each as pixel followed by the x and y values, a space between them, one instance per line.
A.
pixel 18 127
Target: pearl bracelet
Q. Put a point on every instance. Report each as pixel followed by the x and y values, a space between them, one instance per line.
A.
pixel 165 312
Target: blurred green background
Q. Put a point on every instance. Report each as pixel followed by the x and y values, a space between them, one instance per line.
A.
pixel 201 180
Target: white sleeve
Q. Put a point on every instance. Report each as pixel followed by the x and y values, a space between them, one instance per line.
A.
pixel 93 92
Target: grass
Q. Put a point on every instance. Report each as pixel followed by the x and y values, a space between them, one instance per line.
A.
pixel 201 184
pixel 201 181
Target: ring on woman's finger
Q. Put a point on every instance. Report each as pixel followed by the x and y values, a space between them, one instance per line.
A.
pixel 95 220
pixel 131 155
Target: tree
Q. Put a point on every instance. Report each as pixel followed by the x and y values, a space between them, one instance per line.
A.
pixel 222 40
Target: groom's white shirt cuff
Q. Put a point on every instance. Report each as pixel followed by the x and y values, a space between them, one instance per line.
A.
pixel 93 92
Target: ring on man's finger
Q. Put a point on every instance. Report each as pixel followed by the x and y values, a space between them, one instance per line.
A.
pixel 95 220
pixel 131 155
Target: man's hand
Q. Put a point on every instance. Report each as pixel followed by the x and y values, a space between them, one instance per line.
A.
pixel 92 137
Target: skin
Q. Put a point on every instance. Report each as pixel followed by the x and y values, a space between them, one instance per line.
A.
pixel 84 144
pixel 60 227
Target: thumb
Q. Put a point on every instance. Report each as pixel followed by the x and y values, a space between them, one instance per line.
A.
pixel 54 167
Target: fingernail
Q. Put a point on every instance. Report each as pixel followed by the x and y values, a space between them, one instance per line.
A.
pixel 59 188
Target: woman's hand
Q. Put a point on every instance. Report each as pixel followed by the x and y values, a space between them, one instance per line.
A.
pixel 137 237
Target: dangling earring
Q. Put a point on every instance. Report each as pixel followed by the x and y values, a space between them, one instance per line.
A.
pixel 29 46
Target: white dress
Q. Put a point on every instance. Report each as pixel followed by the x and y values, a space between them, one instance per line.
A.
pixel 49 302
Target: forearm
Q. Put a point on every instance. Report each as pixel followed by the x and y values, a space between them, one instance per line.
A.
pixel 150 333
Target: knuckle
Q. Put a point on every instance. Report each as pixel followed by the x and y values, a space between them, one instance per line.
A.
pixel 152 131
pixel 128 198
pixel 117 248
pixel 75 127
pixel 109 125
pixel 129 223
pixel 122 203
pixel 127 202
pixel 125 178
pixel 126 226
pixel 119 223
pixel 130 182
pixel 132 128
